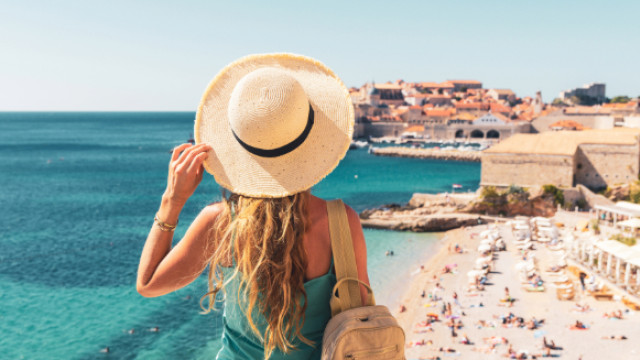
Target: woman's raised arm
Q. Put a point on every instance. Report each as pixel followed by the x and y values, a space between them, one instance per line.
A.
pixel 163 269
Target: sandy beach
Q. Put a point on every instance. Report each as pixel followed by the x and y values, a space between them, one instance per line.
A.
pixel 481 312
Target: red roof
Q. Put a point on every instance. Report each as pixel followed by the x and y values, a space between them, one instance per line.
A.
pixel 587 110
pixel 499 108
pixel 472 106
pixel 567 125
pixel 438 112
pixel 466 82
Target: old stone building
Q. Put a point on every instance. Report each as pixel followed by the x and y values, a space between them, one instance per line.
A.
pixel 385 94
pixel 594 158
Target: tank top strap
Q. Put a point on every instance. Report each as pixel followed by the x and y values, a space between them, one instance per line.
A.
pixel 330 266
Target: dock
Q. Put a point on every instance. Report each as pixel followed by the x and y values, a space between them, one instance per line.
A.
pixel 438 154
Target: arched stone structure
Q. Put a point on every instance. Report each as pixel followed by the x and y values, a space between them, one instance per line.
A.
pixel 493 134
pixel 477 134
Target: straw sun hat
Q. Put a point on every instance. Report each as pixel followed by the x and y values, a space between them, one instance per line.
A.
pixel 277 123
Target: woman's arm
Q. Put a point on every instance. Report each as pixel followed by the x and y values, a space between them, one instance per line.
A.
pixel 360 250
pixel 162 269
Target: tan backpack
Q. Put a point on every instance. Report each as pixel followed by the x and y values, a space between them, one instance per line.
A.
pixel 355 331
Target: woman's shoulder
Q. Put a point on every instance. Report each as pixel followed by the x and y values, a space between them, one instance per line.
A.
pixel 321 204
pixel 211 212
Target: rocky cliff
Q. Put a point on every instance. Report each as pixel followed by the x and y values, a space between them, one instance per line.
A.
pixel 534 203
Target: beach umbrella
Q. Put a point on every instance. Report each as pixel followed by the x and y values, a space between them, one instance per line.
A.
pixel 484 248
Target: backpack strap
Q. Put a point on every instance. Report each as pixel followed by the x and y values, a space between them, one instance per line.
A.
pixel 344 259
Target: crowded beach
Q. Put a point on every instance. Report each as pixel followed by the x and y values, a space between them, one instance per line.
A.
pixel 523 288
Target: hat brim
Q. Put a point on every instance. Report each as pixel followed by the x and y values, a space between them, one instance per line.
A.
pixel 244 173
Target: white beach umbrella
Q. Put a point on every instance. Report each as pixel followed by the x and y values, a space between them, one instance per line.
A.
pixel 562 261
pixel 484 248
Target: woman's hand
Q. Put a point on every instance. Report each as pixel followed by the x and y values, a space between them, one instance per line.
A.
pixel 185 172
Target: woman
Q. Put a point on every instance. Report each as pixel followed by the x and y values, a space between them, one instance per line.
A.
pixel 268 128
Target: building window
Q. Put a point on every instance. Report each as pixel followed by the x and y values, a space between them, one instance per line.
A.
pixel 579 166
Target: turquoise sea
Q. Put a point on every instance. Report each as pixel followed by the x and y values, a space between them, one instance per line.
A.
pixel 78 192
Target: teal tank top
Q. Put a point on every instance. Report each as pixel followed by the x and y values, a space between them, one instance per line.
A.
pixel 239 342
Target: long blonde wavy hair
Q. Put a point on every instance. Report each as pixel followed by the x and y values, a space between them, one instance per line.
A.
pixel 263 236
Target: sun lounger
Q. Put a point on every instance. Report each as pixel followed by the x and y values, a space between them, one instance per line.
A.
pixel 531 288
pixel 630 304
pixel 602 294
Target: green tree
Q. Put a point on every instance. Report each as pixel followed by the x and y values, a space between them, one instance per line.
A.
pixel 557 194
pixel 489 192
pixel 634 192
pixel 620 99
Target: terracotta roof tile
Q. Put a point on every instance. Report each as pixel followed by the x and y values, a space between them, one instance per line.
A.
pixel 465 82
pixel 567 125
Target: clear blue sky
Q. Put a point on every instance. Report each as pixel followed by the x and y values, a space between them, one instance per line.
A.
pixel 160 55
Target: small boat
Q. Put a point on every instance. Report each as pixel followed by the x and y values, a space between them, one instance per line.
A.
pixel 358 144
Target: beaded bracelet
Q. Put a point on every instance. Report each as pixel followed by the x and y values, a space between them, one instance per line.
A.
pixel 163 225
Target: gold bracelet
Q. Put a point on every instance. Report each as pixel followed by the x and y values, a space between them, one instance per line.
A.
pixel 163 225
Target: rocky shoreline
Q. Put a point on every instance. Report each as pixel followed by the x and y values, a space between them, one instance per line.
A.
pixel 442 212
pixel 423 213
pixel 439 154
pixel 429 223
